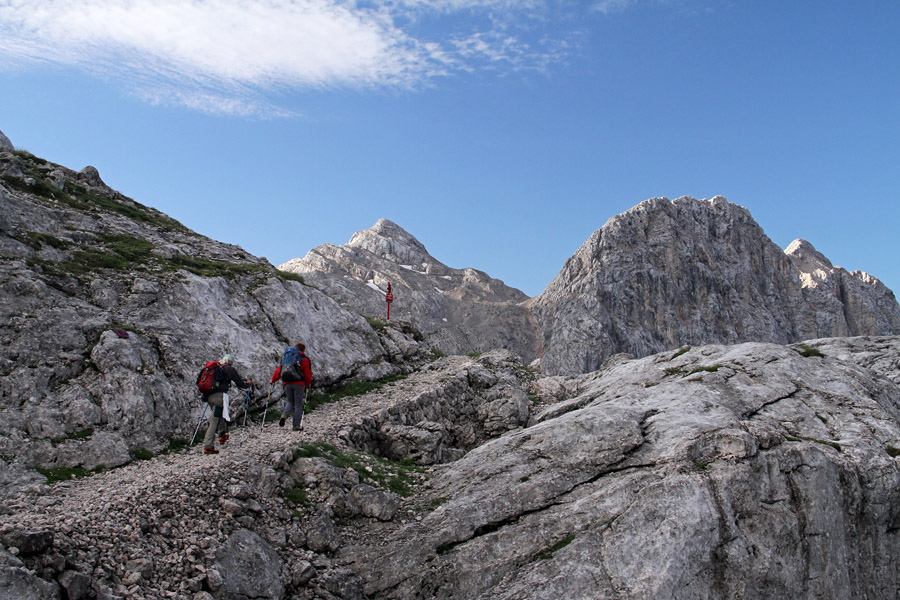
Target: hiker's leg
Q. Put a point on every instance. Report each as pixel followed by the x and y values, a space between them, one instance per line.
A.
pixel 288 401
pixel 215 401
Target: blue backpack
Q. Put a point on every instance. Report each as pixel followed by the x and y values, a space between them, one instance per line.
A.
pixel 290 365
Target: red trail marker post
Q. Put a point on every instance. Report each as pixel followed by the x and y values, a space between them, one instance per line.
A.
pixel 389 297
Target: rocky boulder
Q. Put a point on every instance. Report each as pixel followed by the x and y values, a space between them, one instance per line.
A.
pixel 5 144
pixel 247 568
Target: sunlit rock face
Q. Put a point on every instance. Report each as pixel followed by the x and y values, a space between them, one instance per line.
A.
pixel 460 310
pixel 671 273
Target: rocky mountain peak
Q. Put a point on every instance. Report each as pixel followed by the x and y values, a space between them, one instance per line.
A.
pixel 807 257
pixel 671 273
pixel 391 242
pixel 459 310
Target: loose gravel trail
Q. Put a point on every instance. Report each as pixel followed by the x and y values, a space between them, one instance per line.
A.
pixel 174 510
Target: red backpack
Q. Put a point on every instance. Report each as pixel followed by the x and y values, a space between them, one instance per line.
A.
pixel 211 377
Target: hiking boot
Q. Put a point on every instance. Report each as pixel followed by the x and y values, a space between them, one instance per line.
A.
pixel 223 438
pixel 298 428
pixel 210 451
pixel 281 422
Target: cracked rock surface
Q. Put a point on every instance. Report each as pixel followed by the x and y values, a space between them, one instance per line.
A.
pixel 748 471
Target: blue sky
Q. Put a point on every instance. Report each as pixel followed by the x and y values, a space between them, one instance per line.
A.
pixel 500 133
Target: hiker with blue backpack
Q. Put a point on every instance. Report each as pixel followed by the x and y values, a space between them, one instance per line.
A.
pixel 213 381
pixel 295 374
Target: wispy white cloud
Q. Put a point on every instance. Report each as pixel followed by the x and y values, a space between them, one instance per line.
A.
pixel 613 6
pixel 228 56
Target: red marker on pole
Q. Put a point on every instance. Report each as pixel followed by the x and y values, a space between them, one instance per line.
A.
pixel 390 298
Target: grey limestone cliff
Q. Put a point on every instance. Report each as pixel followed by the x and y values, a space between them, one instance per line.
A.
pixel 671 273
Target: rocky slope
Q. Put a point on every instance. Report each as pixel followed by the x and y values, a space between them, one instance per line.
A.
pixel 459 310
pixel 266 517
pixel 110 308
pixel 669 273
pixel 748 471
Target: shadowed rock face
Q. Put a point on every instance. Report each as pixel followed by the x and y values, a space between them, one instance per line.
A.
pixel 666 274
pixel 459 310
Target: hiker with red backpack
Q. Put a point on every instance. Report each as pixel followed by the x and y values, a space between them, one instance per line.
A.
pixel 213 381
pixel 295 374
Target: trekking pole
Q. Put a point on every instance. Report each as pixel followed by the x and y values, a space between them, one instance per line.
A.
pixel 266 411
pixel 198 425
pixel 246 412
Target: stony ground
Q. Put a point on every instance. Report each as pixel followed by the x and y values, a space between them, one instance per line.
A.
pixel 151 529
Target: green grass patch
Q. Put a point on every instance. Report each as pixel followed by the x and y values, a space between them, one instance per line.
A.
pixel 37 187
pixel 81 198
pixel 436 354
pixel 296 496
pixel 37 240
pixel 57 474
pixel 86 261
pixel 807 351
pixel 682 350
pixel 475 354
pixel 81 435
pixel 354 388
pixel 129 247
pixel 205 267
pixel 548 552
pixel 289 276
pixel 675 371
pixel 175 445
pixel 141 454
pixel 374 470
pixel 834 445
pixel 376 324
pixel 706 369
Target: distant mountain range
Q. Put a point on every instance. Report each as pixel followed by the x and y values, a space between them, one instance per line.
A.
pixel 662 275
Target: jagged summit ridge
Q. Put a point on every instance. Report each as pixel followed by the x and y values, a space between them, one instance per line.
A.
pixel 391 242
pixel 459 310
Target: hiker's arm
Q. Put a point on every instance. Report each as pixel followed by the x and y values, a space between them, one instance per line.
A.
pixel 276 375
pixel 236 378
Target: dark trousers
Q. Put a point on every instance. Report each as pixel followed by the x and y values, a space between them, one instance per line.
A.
pixel 294 396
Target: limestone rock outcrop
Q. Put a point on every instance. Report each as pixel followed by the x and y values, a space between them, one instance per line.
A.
pixel 459 310
pixel 671 273
pixel 5 144
pixel 747 471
